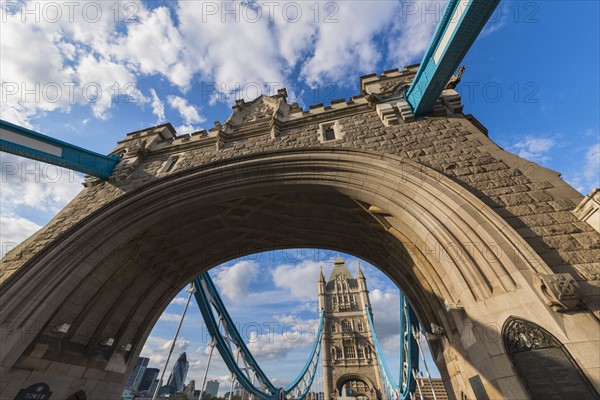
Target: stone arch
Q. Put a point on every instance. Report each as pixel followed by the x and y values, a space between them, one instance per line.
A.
pixel 348 378
pixel 545 367
pixel 96 306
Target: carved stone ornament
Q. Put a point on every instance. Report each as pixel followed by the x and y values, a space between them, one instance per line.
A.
pixel 521 336
pixel 561 291
pixel 261 111
pixel 391 84
pixel 137 149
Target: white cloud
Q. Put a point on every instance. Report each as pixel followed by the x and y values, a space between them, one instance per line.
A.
pixel 187 112
pixel 24 78
pixel 158 108
pixel 13 230
pixel 587 173
pixel 534 148
pixel 31 193
pixel 179 301
pixel 253 52
pixel 235 281
pixel 386 315
pixel 159 33
pixel 286 335
pixel 231 54
pixel 157 350
pixel 170 317
pixel 300 279
pixel 412 30
pixel 40 186
pixel 102 81
pixel 346 46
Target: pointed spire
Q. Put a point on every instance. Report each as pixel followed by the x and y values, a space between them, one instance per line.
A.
pixel 321 276
pixel 359 274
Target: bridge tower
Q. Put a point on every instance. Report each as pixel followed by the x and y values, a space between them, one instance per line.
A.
pixel 349 359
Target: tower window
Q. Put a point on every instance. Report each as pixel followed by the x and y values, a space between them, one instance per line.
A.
pixel 346 326
pixel 360 326
pixel 169 165
pixel 361 353
pixel 350 351
pixel 329 133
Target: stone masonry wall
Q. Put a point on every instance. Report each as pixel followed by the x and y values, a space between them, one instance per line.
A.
pixel 531 199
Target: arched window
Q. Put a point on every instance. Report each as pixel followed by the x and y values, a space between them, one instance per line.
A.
pixel 532 349
pixel 360 326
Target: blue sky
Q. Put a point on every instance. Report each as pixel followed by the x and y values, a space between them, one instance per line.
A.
pixel 88 72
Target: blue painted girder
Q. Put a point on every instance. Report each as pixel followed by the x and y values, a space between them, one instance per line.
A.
pixel 460 25
pixel 27 143
pixel 208 299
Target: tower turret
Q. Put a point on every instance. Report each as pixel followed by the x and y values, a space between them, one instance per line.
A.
pixel 349 359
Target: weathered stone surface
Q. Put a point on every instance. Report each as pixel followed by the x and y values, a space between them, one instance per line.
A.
pixel 464 221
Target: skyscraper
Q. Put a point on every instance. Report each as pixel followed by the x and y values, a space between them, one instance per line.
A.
pixel 349 360
pixel 149 376
pixel 212 388
pixel 177 377
pixel 138 371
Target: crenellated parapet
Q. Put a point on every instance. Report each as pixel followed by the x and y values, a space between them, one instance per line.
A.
pixel 271 121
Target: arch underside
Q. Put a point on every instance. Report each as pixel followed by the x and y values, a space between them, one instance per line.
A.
pixel 362 386
pixel 96 306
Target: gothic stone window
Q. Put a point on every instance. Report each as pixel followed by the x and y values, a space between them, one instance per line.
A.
pixel 350 351
pixel 336 353
pixel 346 326
pixel 361 353
pixel 360 326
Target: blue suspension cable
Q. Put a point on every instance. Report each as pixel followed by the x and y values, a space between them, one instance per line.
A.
pixel 208 299
pixel 409 355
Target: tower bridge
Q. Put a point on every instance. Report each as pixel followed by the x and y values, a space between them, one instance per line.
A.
pixel 496 255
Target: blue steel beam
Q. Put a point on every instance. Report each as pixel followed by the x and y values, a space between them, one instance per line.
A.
pixel 409 356
pixel 27 143
pixel 460 25
pixel 209 301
